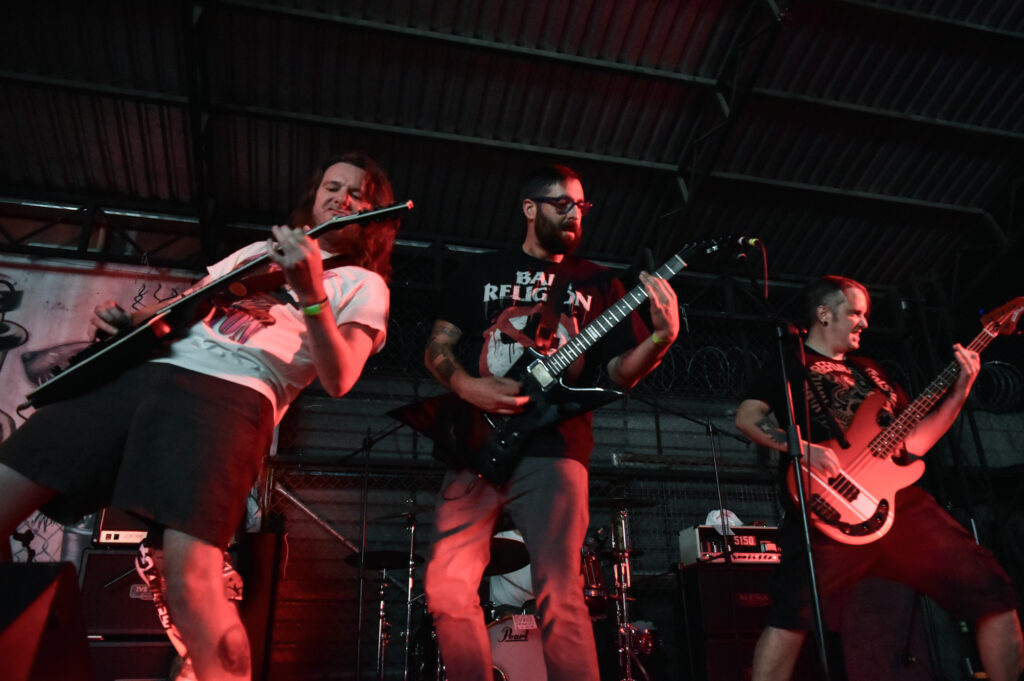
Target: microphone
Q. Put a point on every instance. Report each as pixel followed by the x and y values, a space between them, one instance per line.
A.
pixel 745 242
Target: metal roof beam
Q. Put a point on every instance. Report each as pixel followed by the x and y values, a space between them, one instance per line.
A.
pixel 95 89
pixel 661 74
pixel 752 39
pixel 198 84
pixel 607 65
pixel 924 17
pixel 888 114
pixel 465 41
pixel 984 216
pixel 291 116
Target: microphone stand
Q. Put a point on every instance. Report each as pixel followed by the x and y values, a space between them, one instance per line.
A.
pixel 795 451
pixel 713 432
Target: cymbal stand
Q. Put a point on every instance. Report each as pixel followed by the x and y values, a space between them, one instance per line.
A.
pixel 621 549
pixel 383 625
pixel 621 571
pixel 410 519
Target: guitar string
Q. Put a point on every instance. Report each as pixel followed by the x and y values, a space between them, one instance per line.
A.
pixel 884 444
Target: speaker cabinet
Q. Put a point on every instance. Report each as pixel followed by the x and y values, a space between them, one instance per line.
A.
pixel 725 607
pixel 728 600
pixel 119 608
pixel 42 636
pixel 115 600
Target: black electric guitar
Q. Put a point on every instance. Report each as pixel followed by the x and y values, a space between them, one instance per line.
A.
pixel 105 359
pixel 857 505
pixel 490 444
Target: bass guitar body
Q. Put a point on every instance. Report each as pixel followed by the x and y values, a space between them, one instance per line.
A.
pixel 857 506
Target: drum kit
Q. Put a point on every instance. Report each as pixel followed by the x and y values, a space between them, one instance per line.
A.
pixel 515 641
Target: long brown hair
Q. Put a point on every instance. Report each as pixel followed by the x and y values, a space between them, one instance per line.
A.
pixel 373 250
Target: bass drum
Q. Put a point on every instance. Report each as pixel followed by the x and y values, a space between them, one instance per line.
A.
pixel 517 653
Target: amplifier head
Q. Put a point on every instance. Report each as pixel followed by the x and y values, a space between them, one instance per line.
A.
pixel 747 544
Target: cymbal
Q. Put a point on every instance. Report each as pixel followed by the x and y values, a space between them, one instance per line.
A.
pixel 406 511
pixel 507 555
pixel 383 560
pixel 623 502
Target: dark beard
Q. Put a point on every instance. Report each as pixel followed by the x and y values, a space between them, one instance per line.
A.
pixel 344 241
pixel 550 236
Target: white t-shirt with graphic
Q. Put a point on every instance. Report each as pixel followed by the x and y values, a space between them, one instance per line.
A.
pixel 261 341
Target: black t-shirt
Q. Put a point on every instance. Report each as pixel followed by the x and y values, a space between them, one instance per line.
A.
pixel 496 300
pixel 841 384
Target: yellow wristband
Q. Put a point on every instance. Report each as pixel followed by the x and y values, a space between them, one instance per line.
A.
pixel 659 341
pixel 315 309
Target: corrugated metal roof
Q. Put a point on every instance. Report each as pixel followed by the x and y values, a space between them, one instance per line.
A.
pixel 880 139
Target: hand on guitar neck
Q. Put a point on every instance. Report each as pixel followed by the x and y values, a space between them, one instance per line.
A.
pixel 933 426
pixel 298 256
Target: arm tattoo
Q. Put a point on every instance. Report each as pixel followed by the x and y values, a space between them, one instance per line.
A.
pixel 440 359
pixel 768 427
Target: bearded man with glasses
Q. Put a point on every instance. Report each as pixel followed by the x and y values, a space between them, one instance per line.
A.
pixel 496 306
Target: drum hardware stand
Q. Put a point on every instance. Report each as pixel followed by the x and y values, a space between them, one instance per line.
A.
pixel 277 486
pixel 621 550
pixel 410 523
pixel 383 624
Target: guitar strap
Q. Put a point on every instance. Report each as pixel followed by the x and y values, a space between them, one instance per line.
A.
pixel 549 314
pixel 816 394
pixel 861 369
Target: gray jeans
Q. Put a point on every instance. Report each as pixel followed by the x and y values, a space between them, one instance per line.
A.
pixel 547 500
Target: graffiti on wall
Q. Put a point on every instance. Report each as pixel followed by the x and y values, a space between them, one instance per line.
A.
pixel 44 322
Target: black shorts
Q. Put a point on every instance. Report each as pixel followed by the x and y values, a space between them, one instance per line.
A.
pixel 925 549
pixel 175 447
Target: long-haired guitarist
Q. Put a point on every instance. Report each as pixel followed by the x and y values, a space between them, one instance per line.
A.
pixel 496 305
pixel 850 400
pixel 178 440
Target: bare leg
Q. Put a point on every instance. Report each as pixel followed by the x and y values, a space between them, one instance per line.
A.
pixel 208 622
pixel 19 498
pixel 776 653
pixel 1001 645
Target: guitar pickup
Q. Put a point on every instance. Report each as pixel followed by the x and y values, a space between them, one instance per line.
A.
pixel 540 374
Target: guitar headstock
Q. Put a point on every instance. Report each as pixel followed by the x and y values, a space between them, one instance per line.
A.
pixel 363 217
pixel 1004 319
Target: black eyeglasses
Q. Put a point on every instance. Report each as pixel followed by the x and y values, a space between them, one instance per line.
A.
pixel 563 204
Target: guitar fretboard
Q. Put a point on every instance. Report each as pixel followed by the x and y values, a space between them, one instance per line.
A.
pixel 563 358
pixel 887 442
